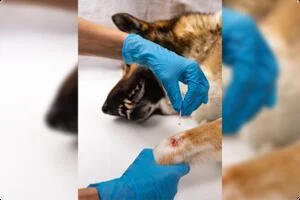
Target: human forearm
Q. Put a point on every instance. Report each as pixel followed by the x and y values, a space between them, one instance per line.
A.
pixel 96 40
pixel 88 194
pixel 168 67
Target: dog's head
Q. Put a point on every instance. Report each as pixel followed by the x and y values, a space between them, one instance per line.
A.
pixel 137 96
pixel 63 113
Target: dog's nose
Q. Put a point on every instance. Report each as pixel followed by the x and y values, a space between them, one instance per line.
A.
pixel 105 108
pixel 52 118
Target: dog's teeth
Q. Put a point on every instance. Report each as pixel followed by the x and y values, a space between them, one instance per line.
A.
pixel 120 112
pixel 128 114
pixel 127 101
pixel 128 106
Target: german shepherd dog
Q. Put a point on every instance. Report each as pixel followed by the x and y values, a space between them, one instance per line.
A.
pixel 139 95
pixel 63 113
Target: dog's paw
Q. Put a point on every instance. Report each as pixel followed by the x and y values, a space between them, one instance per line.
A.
pixel 170 151
pixel 180 148
pixel 203 143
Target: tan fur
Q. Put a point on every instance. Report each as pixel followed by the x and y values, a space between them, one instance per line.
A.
pixel 272 176
pixel 128 71
pixel 283 22
pixel 192 145
pixel 196 36
pixel 257 9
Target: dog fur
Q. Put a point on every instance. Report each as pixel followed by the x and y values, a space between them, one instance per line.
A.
pixel 63 113
pixel 198 145
pixel 275 175
pixel 196 36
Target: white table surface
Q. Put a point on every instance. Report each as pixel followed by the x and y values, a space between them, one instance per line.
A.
pixel 38 47
pixel 108 145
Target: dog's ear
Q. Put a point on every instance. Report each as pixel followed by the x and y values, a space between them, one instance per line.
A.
pixel 125 69
pixel 128 23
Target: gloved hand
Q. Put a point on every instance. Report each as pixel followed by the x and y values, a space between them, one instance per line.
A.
pixel 144 180
pixel 169 68
pixel 254 68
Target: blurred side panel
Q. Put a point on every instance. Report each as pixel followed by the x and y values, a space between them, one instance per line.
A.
pixel 38 49
pixel 273 130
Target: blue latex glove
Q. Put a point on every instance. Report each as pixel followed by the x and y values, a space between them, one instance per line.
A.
pixel 169 68
pixel 254 68
pixel 144 180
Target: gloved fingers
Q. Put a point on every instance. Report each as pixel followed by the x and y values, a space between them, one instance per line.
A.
pixel 181 169
pixel 271 98
pixel 230 126
pixel 198 87
pixel 234 103
pixel 146 154
pixel 195 96
pixel 93 185
pixel 254 105
pixel 247 110
pixel 174 94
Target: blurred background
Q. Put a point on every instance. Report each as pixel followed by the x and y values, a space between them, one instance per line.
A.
pixel 38 49
pixel 275 128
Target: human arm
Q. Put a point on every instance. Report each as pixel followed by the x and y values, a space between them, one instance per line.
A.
pixel 144 179
pixel 88 194
pixel 96 40
pixel 169 68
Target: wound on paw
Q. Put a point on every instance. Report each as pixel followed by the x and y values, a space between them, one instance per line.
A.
pixel 174 142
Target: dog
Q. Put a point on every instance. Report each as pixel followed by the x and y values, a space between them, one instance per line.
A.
pixel 63 113
pixel 139 95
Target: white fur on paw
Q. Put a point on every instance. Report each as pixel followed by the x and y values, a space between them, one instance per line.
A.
pixel 178 149
pixel 165 153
